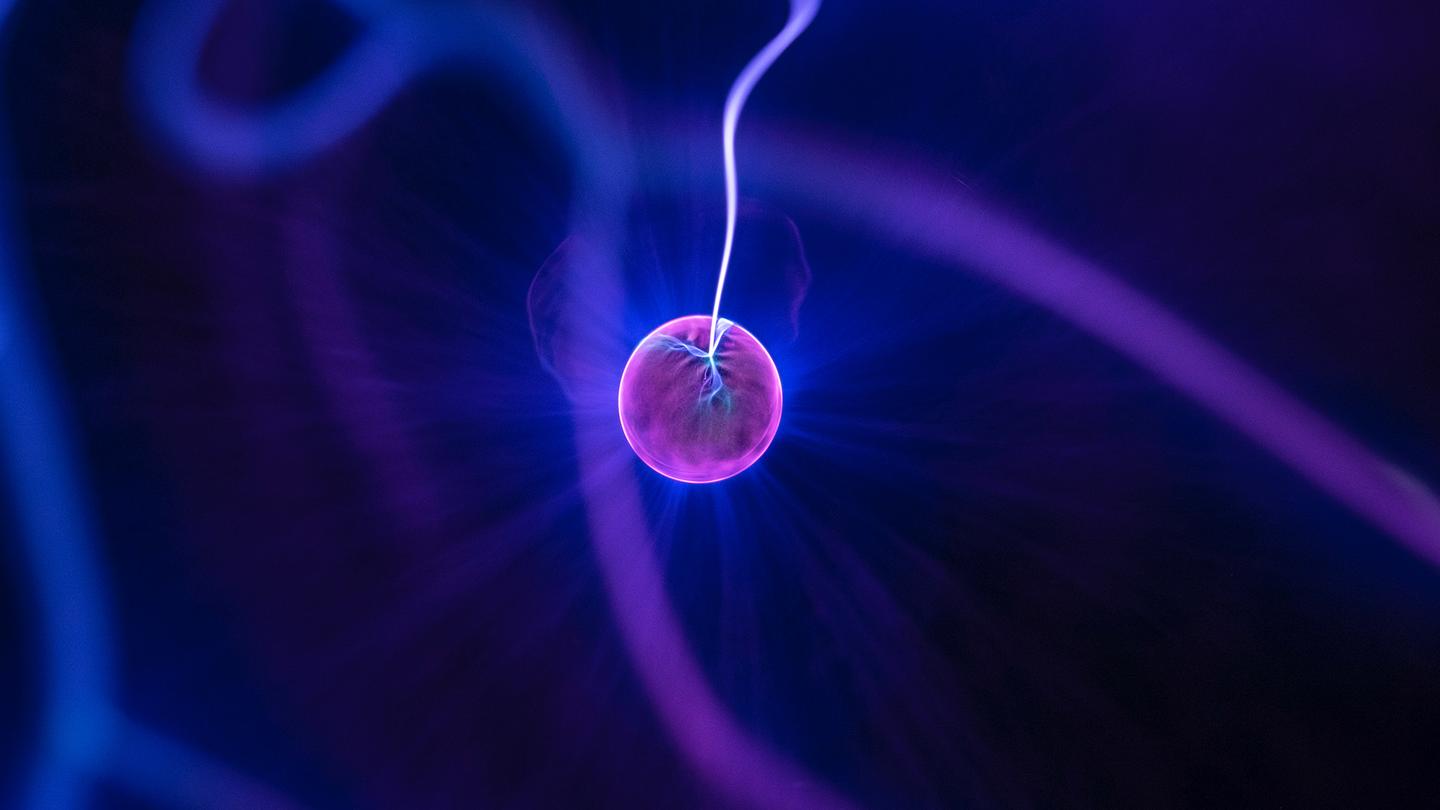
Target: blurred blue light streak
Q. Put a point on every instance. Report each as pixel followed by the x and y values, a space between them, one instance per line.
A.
pixel 56 534
pixel 81 730
pixel 82 735
pixel 404 41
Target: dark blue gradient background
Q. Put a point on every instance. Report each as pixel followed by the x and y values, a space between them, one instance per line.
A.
pixel 986 563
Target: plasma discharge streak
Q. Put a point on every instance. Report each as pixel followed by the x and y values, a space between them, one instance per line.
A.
pixel 910 207
pixel 802 12
pixel 723 430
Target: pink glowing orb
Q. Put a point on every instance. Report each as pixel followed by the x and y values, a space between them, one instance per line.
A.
pixel 693 417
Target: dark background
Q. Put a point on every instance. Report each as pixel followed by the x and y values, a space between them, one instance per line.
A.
pixel 987 563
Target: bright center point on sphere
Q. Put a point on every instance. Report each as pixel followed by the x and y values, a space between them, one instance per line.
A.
pixel 695 416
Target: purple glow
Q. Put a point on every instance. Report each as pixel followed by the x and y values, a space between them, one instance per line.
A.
pixel 918 208
pixel 695 415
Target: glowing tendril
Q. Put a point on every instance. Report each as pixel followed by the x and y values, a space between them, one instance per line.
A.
pixel 801 13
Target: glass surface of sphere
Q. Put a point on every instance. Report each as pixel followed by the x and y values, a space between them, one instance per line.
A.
pixel 697 417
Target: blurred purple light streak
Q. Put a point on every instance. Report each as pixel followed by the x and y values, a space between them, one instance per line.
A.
pixel 913 208
pixel 237 143
pixel 583 359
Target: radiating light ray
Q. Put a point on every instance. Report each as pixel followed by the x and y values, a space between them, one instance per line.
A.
pixel 910 208
pixel 801 13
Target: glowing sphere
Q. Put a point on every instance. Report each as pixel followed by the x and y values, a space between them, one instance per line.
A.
pixel 693 417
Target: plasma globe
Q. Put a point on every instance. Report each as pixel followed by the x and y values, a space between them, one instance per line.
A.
pixel 694 415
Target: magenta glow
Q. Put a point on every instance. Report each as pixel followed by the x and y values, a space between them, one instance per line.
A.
pixel 694 415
